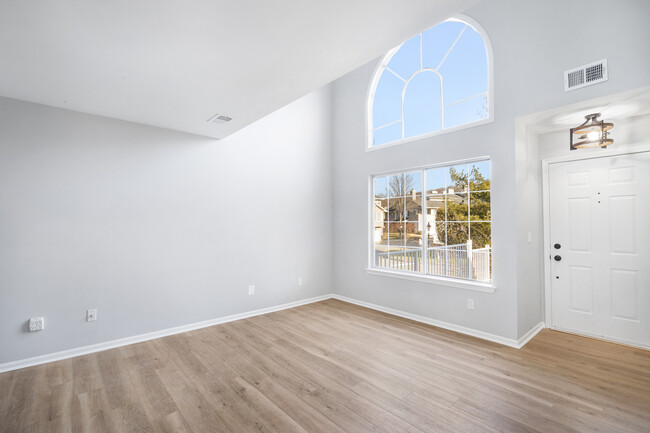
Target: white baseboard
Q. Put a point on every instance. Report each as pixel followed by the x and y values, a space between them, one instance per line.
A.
pixel 71 353
pixel 530 334
pixel 517 344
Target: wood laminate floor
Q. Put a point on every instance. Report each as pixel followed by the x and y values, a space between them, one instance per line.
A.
pixel 334 367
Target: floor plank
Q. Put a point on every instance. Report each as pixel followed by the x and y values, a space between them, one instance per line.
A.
pixel 335 367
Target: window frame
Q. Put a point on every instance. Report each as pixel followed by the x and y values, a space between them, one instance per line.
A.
pixel 378 72
pixel 422 276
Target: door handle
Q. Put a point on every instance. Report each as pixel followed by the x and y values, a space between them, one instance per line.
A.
pixel 557 246
pixel 557 258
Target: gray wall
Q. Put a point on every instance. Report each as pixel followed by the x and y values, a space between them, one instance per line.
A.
pixel 533 43
pixel 155 228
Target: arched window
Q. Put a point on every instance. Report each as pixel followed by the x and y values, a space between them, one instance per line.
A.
pixel 437 81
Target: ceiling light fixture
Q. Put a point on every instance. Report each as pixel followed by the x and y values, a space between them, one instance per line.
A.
pixel 592 133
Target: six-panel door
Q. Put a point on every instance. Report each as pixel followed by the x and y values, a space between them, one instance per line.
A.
pixel 600 247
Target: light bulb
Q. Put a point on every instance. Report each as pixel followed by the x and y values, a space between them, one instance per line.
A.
pixel 593 135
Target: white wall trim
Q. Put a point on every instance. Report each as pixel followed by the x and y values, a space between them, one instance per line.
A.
pixel 546 248
pixel 524 339
pixel 99 347
pixel 449 130
pixel 71 353
pixel 517 344
pixel 420 276
pixel 370 94
pixel 431 279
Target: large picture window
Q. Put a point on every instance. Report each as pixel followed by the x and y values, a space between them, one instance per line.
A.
pixel 435 81
pixel 434 221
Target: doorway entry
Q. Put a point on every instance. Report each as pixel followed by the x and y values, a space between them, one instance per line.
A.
pixel 598 212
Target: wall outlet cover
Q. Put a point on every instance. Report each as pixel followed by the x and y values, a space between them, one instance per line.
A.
pixel 91 315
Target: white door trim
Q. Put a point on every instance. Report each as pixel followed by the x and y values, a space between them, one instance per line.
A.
pixel 577 155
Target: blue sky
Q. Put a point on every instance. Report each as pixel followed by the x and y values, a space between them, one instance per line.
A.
pixel 435 177
pixel 463 73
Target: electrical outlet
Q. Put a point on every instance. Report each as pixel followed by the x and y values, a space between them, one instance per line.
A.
pixel 91 315
pixel 300 281
pixel 36 324
pixel 470 304
pixel 251 290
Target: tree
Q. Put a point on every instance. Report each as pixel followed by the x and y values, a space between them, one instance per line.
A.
pixel 463 203
pixel 399 186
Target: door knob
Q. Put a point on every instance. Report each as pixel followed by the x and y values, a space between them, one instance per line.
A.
pixel 557 246
pixel 557 258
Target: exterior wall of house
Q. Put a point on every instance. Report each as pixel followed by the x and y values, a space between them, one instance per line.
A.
pixel 380 217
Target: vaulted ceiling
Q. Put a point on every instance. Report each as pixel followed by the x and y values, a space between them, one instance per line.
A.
pixel 174 64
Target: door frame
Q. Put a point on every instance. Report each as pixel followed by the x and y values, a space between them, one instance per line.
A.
pixel 579 155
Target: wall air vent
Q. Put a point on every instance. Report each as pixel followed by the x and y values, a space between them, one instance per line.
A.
pixel 585 75
pixel 219 119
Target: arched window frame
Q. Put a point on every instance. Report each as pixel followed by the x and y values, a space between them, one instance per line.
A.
pixel 384 62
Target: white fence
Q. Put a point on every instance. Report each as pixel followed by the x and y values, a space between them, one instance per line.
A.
pixel 457 261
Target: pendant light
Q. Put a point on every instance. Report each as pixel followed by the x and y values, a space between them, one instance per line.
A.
pixel 592 133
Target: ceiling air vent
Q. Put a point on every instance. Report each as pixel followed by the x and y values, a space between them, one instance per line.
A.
pixel 586 75
pixel 219 119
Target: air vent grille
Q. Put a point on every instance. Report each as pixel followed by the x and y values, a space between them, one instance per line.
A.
pixel 594 73
pixel 586 75
pixel 219 119
pixel 576 78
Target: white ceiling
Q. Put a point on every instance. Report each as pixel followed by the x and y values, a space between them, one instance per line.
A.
pixel 174 64
pixel 613 108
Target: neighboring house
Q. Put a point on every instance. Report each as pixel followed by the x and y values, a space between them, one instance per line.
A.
pixel 410 209
pixel 436 200
pixel 380 217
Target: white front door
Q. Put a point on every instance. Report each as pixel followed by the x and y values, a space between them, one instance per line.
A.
pixel 600 247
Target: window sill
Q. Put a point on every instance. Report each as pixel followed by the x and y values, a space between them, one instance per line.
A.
pixel 462 284
pixel 371 148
